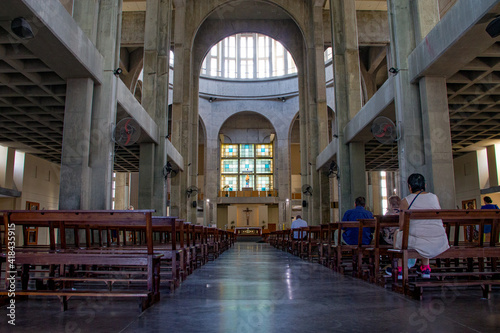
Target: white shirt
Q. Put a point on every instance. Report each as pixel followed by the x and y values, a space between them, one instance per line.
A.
pixel 298 223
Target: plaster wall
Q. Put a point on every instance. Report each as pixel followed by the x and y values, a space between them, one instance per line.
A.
pixel 466 178
pixel 482 165
pixel 296 184
pixel 273 214
pixel 40 183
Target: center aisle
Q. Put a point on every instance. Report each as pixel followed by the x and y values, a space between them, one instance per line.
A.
pixel 256 288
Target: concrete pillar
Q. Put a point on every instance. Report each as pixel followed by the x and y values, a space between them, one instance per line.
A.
pixel 437 140
pixel 335 215
pixel 428 16
pixel 134 189
pixel 492 165
pixel 75 178
pixel 407 101
pixel 85 13
pixel 285 214
pixel 304 156
pixel 283 174
pixel 357 166
pixel 9 168
pixel 104 108
pixel 180 111
pixel 376 193
pixel 313 113
pixel 193 142
pixel 347 100
pixel 146 165
pixel 212 160
pixel 435 116
pixel 155 102
pixel 325 198
pixel 121 191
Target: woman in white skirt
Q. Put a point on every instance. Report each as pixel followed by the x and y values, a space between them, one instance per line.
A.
pixel 428 237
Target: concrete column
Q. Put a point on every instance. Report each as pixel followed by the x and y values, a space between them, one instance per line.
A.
pixel 428 16
pixel 9 168
pixel 180 111
pixel 104 108
pixel 325 198
pixel 285 214
pixel 347 100
pixel 283 174
pixel 85 13
pixel 304 155
pixel 193 143
pixel 492 166
pixel 376 194
pixel 357 166
pixel 437 140
pixel 146 165
pixel 282 178
pixel 335 215
pixel 121 191
pixel 407 101
pixel 155 100
pixel 212 181
pixel 75 178
pixel 317 116
pixel 435 116
pixel 134 189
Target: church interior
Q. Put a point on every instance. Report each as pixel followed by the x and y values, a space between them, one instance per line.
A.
pixel 238 116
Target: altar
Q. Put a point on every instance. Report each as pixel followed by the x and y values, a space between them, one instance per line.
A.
pixel 248 231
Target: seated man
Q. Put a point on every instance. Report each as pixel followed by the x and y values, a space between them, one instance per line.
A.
pixel 298 223
pixel 350 235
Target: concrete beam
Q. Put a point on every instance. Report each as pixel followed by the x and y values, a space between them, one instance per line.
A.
pixel 6 192
pixel 460 32
pixel 134 109
pixel 133 29
pixel 59 42
pixel 358 128
pixel 373 28
pixel 174 156
pixel 327 154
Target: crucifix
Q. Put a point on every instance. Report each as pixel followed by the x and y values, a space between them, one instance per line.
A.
pixel 247 212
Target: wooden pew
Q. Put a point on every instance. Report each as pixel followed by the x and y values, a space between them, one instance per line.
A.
pixel 213 243
pixel 461 276
pixel 310 245
pixel 376 251
pixel 339 254
pixel 65 257
pixel 360 252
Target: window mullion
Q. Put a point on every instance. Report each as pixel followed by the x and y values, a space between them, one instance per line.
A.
pixel 238 56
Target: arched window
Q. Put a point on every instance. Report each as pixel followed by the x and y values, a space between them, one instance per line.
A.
pixel 248 56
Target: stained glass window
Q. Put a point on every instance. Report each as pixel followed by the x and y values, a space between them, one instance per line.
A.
pixel 247 181
pixel 247 165
pixel 229 151
pixel 229 166
pixel 264 166
pixel 229 183
pixel 264 183
pixel 264 150
pixel 246 150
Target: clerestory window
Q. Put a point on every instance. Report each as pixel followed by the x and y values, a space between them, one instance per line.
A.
pixel 248 56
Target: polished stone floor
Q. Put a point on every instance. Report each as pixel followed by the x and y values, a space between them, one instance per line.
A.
pixel 256 288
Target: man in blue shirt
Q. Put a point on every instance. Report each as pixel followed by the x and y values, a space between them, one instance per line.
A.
pixel 297 224
pixel 350 235
pixel 488 205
